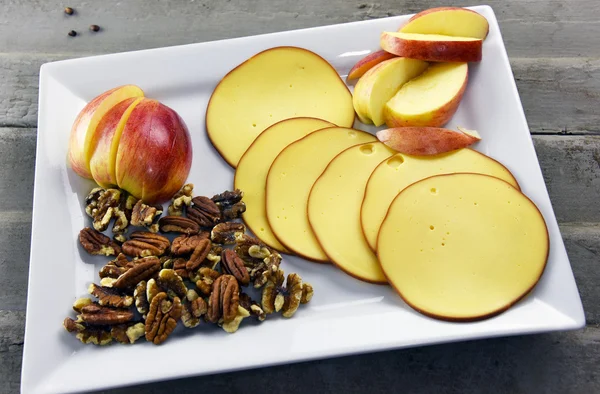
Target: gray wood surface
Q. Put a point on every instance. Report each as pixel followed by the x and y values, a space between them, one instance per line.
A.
pixel 554 48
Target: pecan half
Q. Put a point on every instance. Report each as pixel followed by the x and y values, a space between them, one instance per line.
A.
pixel 141 300
pixel 226 233
pixel 144 269
pixel 263 271
pixel 172 283
pixel 86 333
pixel 230 204
pixel 178 224
pixel 234 265
pixel 108 296
pixel 96 243
pixel 145 243
pixel 273 297
pixel 204 278
pixel 294 288
pixel 181 199
pixel 179 265
pixel 102 315
pixel 128 333
pixel 193 309
pixel 201 251
pixel 143 215
pixel 224 299
pixel 185 244
pixel 102 205
pixel 152 289
pixel 116 267
pixel 204 211
pixel 162 318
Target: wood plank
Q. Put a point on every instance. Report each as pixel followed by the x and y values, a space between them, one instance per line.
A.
pixel 553 363
pixel 17 164
pixel 12 327
pixel 530 28
pixel 15 241
pixel 557 94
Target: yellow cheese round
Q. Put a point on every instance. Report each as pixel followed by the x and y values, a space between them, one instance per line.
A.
pixel 462 246
pixel 334 210
pixel 290 179
pixel 274 85
pixel 395 174
pixel 253 167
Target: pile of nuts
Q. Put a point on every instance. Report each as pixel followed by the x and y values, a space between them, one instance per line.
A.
pixel 154 282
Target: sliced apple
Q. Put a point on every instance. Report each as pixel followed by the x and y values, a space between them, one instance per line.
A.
pixel 399 171
pixel 277 84
pixel 82 132
pixel 334 210
pixel 448 21
pixel 290 179
pixel 429 100
pixel 368 62
pixel 432 47
pixel 463 247
pixel 423 141
pixel 253 167
pixel 106 140
pixel 380 83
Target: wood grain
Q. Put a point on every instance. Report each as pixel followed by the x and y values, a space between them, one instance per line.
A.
pixel 12 327
pixel 558 95
pixel 530 28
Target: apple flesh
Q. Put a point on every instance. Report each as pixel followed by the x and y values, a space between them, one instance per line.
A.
pixel 154 153
pixel 367 63
pixel 432 47
pixel 448 21
pixel 106 141
pixel 84 127
pixel 424 141
pixel 429 100
pixel 380 83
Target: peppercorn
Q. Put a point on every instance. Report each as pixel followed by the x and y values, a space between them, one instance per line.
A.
pixel 72 33
pixel 69 11
pixel 94 28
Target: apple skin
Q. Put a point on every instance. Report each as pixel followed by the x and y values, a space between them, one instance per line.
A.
pixel 368 62
pixel 84 126
pixel 155 153
pixel 106 139
pixel 445 9
pixel 432 50
pixel 436 118
pixel 424 141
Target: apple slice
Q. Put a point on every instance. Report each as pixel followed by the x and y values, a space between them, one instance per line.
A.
pixel 448 21
pixel 154 155
pixel 432 47
pixel 334 210
pixel 423 141
pixel 368 62
pixel 463 247
pixel 380 83
pixel 429 100
pixel 82 132
pixel 106 141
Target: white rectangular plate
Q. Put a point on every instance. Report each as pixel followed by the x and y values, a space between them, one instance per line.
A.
pixel 346 316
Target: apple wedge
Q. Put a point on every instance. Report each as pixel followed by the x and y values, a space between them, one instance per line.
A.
pixel 429 100
pixel 432 47
pixel 380 83
pixel 367 63
pixel 424 141
pixel 448 21
pixel 84 127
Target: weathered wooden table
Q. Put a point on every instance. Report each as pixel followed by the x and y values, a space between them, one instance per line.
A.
pixel 554 47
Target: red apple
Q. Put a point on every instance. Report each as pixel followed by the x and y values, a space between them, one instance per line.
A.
pixel 154 154
pixel 367 63
pixel 424 141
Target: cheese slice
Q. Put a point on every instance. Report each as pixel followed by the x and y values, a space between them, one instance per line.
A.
pixel 462 246
pixel 395 174
pixel 273 85
pixel 253 167
pixel 334 210
pixel 290 179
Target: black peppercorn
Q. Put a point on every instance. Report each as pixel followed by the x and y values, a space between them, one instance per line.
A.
pixel 94 28
pixel 72 33
pixel 69 11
